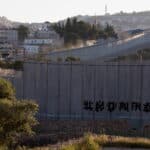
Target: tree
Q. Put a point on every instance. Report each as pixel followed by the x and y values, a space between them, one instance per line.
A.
pixel 59 28
pixel 94 33
pixel 71 38
pixel 75 30
pixel 16 116
pixel 110 32
pixel 74 22
pixel 83 30
pixel 23 32
pixel 68 26
pixel 6 90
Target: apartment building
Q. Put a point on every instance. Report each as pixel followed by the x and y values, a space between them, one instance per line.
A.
pixel 46 34
pixel 8 41
pixel 9 36
pixel 34 45
pixel 34 41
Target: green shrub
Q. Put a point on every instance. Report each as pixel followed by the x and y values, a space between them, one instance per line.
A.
pixel 87 143
pixel 17 117
pixel 6 89
pixel 70 147
pixel 18 65
pixel 71 58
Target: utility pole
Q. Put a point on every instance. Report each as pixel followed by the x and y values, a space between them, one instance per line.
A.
pixel 105 10
pixel 95 20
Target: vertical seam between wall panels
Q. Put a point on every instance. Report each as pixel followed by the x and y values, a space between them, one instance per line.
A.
pixel 141 92
pixel 70 92
pixel 47 75
pixel 58 101
pixel 82 92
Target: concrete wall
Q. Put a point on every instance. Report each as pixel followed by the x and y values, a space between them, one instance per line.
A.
pixel 61 89
pixel 105 51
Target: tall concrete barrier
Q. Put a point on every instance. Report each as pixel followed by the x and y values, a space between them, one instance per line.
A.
pixel 87 91
pixel 104 52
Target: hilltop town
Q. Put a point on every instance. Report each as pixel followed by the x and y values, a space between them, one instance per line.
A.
pixel 23 40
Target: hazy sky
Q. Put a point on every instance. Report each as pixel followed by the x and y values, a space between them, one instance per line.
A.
pixel 54 10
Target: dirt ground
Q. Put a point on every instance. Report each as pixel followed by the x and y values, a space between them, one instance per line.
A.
pixel 6 72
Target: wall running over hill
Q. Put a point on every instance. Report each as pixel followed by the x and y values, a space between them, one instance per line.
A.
pixel 107 51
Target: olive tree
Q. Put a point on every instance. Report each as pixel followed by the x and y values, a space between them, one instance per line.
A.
pixel 17 117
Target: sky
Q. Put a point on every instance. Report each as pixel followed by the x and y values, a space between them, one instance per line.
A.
pixel 54 10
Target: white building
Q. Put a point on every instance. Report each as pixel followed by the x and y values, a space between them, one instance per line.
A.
pixel 43 39
pixel 38 41
pixel 6 49
pixel 31 49
pixel 35 45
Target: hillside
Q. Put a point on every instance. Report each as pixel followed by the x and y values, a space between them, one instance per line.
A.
pixel 121 21
pixel 6 23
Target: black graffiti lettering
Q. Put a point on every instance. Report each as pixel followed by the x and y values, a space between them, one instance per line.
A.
pixel 135 106
pixel 146 107
pixel 123 106
pixel 88 105
pixel 99 106
pixel 111 106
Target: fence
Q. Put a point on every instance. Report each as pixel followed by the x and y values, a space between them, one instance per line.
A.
pixel 87 91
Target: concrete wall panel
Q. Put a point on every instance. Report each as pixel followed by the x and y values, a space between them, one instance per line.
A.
pixel 61 89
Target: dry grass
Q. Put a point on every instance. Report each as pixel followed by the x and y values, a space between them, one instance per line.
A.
pixel 114 141
pixel 95 142
pixel 118 141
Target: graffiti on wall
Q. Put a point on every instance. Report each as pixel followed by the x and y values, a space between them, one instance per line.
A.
pixel 110 106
